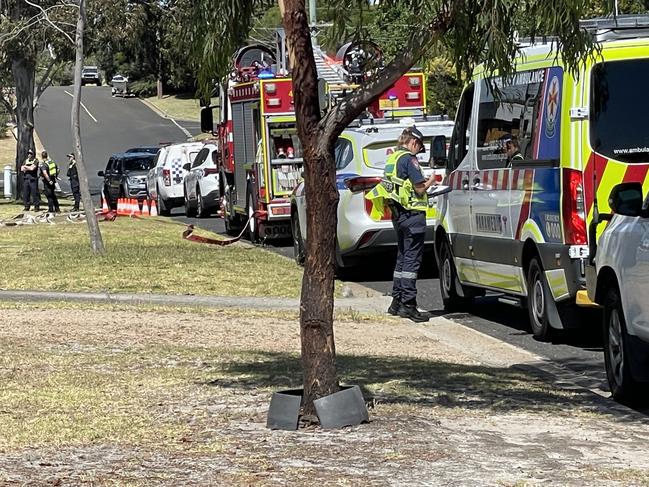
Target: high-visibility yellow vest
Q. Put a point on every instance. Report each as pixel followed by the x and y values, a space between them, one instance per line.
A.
pixel 393 188
pixel 52 169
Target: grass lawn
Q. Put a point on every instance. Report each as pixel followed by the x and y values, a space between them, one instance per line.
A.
pixel 142 256
pixel 180 107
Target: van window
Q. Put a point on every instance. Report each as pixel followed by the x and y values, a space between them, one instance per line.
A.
pixel 527 110
pixel 343 152
pixel 619 108
pixel 376 155
pixel 459 144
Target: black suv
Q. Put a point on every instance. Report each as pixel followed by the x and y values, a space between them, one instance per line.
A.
pixel 90 75
pixel 125 176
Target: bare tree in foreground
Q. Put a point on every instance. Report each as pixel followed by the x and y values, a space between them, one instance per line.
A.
pixel 96 241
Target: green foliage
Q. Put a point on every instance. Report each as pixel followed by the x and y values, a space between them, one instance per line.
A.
pixel 144 87
pixel 443 89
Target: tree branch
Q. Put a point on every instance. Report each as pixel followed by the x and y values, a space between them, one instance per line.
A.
pixel 339 117
pixel 47 19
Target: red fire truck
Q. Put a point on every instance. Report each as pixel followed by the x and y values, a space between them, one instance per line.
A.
pixel 260 152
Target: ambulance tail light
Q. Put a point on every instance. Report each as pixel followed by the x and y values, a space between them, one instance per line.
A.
pixel 166 177
pixel 358 184
pixel 574 208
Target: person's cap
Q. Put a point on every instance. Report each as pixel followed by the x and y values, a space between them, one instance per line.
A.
pixel 44 153
pixel 70 154
pixel 505 138
pixel 30 152
pixel 416 133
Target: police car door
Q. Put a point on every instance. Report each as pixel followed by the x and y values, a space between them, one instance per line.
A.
pixel 491 249
pixel 454 207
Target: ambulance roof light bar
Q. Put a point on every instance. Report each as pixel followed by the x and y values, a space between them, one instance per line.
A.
pixel 617 27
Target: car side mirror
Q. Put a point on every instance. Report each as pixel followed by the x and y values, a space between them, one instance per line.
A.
pixel 207 120
pixel 100 174
pixel 186 166
pixel 626 199
pixel 438 151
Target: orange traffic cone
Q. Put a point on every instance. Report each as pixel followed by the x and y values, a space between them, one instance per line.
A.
pixel 145 208
pixel 154 208
pixel 120 206
pixel 104 204
pixel 135 208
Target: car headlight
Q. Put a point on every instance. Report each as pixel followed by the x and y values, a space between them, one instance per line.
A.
pixel 135 181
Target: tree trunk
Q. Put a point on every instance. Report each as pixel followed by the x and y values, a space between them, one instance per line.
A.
pixel 24 73
pixel 317 300
pixel 96 242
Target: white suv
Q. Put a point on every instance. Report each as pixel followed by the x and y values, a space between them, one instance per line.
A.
pixel 202 183
pixel 165 180
pixel 620 283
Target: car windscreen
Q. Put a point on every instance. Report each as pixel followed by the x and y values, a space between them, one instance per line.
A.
pixel 619 105
pixel 138 164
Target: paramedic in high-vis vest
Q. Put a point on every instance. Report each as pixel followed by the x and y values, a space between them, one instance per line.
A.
pixel 403 190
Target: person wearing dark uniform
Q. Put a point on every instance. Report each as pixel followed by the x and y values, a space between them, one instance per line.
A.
pixel 30 182
pixel 50 173
pixel 73 176
pixel 512 148
pixel 404 189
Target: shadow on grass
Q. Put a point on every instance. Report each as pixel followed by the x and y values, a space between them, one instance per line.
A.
pixel 413 381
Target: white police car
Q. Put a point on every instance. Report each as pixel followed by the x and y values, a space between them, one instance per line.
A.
pixel 360 155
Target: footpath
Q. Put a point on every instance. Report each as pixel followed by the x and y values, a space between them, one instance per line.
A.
pixel 116 395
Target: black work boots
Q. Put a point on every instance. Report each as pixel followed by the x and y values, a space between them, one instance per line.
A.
pixel 407 310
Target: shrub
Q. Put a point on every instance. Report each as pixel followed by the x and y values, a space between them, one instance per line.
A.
pixel 144 87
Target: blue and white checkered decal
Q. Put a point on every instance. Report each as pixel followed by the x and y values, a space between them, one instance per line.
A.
pixel 177 171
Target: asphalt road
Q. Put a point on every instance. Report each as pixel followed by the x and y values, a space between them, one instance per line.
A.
pixel 108 125
pixel 123 123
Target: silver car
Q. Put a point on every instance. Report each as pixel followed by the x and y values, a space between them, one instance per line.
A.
pixel 360 154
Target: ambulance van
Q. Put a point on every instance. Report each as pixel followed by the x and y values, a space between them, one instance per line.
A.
pixel 518 225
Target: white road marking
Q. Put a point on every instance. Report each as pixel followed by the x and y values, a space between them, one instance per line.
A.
pixel 84 107
pixel 185 131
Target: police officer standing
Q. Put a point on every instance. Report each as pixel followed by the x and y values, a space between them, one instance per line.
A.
pixel 50 173
pixel 404 189
pixel 73 176
pixel 30 182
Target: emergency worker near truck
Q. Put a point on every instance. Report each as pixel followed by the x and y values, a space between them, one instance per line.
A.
pixel 30 182
pixel 50 172
pixel 403 189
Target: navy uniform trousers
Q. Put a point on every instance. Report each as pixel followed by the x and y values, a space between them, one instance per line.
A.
pixel 411 232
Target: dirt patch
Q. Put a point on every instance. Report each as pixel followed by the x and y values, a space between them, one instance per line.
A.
pixel 101 397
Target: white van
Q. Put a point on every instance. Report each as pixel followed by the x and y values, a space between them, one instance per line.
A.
pixel 165 180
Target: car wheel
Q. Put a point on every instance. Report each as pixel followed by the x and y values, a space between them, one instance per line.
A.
pixel 252 228
pixel 201 211
pixel 190 211
pixel 447 281
pixel 299 251
pixel 624 388
pixel 537 302
pixel 163 208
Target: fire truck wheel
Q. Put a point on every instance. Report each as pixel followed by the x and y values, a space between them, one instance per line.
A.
pixel 228 213
pixel 537 302
pixel 252 227
pixel 163 209
pixel 299 252
pixel 190 211
pixel 447 281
